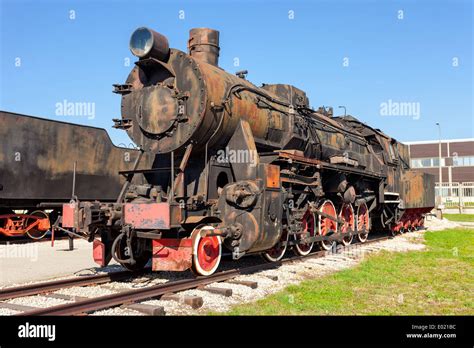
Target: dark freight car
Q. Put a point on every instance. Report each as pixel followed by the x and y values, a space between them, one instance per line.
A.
pixel 45 162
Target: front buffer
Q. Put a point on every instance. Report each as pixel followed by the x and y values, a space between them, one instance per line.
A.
pixel 146 233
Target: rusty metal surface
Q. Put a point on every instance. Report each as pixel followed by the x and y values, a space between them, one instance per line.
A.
pixel 272 175
pixel 147 216
pixel 204 104
pixel 69 218
pixel 98 253
pixel 172 254
pixel 203 45
pixel 37 160
pixel 418 189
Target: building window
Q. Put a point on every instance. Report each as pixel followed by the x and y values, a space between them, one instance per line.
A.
pixel 426 162
pixel 463 161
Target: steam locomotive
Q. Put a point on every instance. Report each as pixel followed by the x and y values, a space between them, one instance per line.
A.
pixel 241 169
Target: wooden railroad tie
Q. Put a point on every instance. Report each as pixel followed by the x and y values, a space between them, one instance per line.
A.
pixel 17 307
pixel 272 277
pixel 146 309
pixel 250 284
pixel 65 297
pixel 193 301
pixel 214 290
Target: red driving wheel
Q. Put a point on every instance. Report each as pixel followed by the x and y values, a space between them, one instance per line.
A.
pixel 363 222
pixel 347 214
pixel 308 225
pixel 326 225
pixel 278 251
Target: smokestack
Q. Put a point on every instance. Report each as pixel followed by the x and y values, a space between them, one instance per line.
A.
pixel 203 44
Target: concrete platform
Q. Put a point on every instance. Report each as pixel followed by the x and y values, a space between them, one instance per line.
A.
pixel 22 263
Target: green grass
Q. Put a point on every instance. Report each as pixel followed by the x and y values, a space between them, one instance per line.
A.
pixel 460 217
pixel 437 281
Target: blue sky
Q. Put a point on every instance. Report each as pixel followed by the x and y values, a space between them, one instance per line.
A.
pixel 424 58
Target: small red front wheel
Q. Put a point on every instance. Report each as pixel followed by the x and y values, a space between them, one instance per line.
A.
pixel 207 251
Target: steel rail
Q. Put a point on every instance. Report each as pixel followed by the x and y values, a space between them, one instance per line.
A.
pixel 40 288
pixel 128 297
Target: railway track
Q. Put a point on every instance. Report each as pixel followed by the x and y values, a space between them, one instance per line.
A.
pixel 131 298
pixel 48 287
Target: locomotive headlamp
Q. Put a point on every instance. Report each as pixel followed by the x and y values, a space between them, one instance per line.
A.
pixel 146 43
